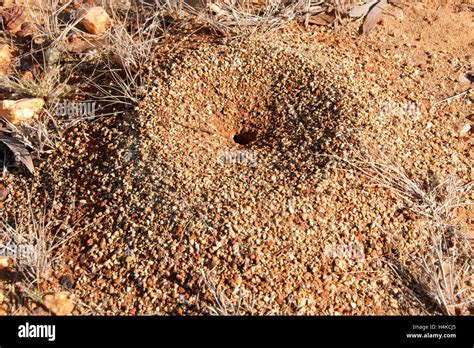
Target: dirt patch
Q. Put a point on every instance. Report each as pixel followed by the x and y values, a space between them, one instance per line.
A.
pixel 231 179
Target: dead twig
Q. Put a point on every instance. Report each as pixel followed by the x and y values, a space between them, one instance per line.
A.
pixel 453 96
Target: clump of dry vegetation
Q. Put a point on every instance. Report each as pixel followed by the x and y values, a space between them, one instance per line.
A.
pixel 33 240
pixel 438 273
pixel 130 44
pixel 239 302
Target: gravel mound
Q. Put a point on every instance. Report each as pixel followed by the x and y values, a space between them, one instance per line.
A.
pixel 228 191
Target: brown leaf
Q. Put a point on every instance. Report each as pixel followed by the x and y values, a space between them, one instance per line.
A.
pixel 3 192
pixel 322 19
pixel 77 45
pixel 374 16
pixel 20 152
pixel 13 17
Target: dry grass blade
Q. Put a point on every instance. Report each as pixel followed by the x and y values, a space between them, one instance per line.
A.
pixel 123 87
pixel 50 81
pixel 447 270
pixel 244 18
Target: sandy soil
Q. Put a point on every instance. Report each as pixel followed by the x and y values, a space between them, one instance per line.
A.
pixel 165 223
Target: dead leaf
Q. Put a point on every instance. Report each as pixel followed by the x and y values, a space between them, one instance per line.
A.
pixel 79 46
pixel 3 192
pixel 362 10
pixel 59 303
pixel 374 16
pixel 20 152
pixel 322 19
pixel 13 17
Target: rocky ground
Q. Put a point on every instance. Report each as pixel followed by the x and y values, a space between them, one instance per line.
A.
pixel 246 182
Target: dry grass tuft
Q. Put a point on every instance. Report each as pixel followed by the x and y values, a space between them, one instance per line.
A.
pixel 51 84
pixel 35 238
pixel 53 22
pixel 237 304
pixel 244 17
pixel 442 264
pixel 131 41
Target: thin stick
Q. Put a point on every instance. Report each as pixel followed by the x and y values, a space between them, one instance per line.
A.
pixel 454 96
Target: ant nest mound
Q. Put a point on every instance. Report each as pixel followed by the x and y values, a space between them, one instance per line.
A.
pixel 279 102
